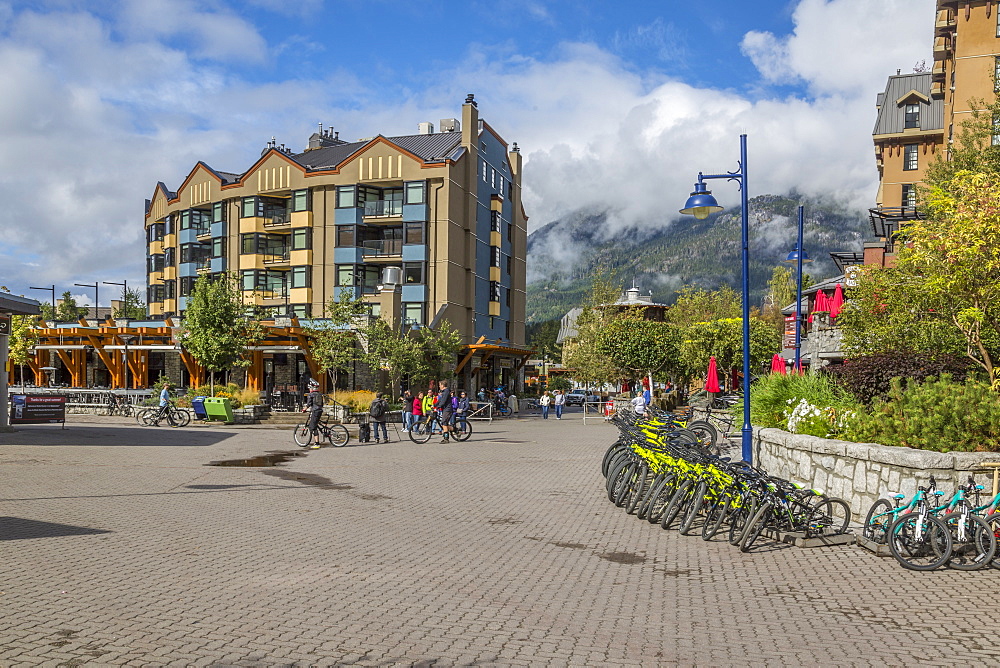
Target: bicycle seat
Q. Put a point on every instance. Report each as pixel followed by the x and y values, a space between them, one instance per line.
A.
pixel 896 495
pixel 937 492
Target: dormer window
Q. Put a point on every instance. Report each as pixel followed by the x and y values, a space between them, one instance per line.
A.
pixel 911 116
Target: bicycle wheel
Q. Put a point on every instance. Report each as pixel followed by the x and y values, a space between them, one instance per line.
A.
pixel 301 435
pixel 609 455
pixel 755 527
pixel 503 410
pixel 714 516
pixel 420 432
pixel 626 484
pixel 829 518
pixel 740 516
pixel 641 480
pixel 920 542
pixel 337 435
pixel 678 502
pixel 181 417
pixel 660 497
pixel 876 528
pixel 143 415
pixel 693 508
pixel 618 478
pixel 647 496
pixel 462 431
pixel 708 435
pixel 993 522
pixel 972 541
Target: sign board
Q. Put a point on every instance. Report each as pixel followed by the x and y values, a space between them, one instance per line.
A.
pixel 37 409
pixel 851 275
pixel 505 363
pixel 5 324
pixel 788 341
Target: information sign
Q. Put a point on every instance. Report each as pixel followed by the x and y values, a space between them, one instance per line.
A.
pixel 37 409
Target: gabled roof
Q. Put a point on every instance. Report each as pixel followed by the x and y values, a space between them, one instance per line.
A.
pixel 429 148
pixel 901 88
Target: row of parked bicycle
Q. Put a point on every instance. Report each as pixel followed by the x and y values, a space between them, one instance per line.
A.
pixel 927 532
pixel 661 471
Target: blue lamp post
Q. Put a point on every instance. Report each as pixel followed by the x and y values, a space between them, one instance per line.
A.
pixel 799 257
pixel 701 204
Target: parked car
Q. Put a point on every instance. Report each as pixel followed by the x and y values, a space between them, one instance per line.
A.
pixel 577 397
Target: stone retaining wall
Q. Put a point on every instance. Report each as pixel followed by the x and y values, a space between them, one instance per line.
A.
pixel 860 473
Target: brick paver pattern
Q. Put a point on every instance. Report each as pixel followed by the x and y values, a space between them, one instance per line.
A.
pixel 119 546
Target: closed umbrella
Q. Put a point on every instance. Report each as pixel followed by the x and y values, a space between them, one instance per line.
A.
pixel 819 304
pixel 712 384
pixel 778 364
pixel 837 303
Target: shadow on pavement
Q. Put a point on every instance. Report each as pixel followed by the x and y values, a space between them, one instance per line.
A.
pixel 18 528
pixel 105 435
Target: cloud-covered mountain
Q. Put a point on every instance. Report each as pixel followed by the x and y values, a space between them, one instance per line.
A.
pixel 662 258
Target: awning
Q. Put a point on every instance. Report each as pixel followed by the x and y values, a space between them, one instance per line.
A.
pixel 489 349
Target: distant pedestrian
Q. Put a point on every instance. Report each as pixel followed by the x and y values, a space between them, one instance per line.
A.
pixel 544 402
pixel 407 401
pixel 314 406
pixel 417 409
pixel 513 404
pixel 482 394
pixel 378 412
pixel 639 404
pixel 559 401
pixel 446 410
pixel 461 410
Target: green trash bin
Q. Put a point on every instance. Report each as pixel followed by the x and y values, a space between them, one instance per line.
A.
pixel 219 408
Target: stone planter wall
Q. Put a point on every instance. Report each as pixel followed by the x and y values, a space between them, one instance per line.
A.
pixel 860 473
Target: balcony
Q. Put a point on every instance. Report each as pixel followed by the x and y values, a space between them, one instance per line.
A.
pixel 383 208
pixel 382 248
pixel 941 47
pixel 278 220
pixel 945 20
pixel 276 256
pixel 205 266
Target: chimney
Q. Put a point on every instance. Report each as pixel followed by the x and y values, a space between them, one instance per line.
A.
pixel 470 125
pixel 425 128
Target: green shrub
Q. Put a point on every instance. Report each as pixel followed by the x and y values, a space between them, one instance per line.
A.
pixel 939 414
pixel 808 404
pixel 868 377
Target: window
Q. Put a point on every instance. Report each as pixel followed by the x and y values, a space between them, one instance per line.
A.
pixel 909 198
pixel 346 235
pixel 413 313
pixel 996 130
pixel 911 116
pixel 413 273
pixel 263 280
pixel 345 275
pixel 349 275
pixel 486 172
pixel 168 225
pixel 494 291
pixel 301 277
pixel 510 232
pixel 169 290
pixel 219 247
pixel 510 189
pixel 910 157
pixel 300 310
pixel 302 239
pixel 996 74
pixel 300 200
pixel 413 233
pixel 347 197
pixel 495 257
pixel 493 177
pixel 155 262
pixel 495 221
pixel 507 296
pixel 248 243
pixel 415 192
pixel 249 207
pixel 510 265
pixel 186 286
pixel 194 252
pixel 168 256
pixel 219 212
pixel 155 232
pixel 154 293
pixel 506 330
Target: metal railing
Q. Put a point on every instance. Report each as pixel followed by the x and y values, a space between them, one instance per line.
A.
pixel 384 207
pixel 382 247
pixel 278 219
pixel 272 257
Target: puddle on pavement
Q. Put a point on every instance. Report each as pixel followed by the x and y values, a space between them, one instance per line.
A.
pixel 498 521
pixel 308 479
pixel 575 546
pixel 270 459
pixel 622 557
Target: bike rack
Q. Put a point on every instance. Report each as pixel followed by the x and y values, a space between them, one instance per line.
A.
pixel 480 410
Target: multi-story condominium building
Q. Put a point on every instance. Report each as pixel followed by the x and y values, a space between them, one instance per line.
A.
pixel 425 227
pixel 920 114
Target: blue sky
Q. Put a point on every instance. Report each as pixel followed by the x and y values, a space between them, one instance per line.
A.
pixel 613 104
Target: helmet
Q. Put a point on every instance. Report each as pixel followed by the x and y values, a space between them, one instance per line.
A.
pixel 313 383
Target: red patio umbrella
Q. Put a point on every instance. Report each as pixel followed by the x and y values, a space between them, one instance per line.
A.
pixel 819 304
pixel 778 364
pixel 712 384
pixel 837 303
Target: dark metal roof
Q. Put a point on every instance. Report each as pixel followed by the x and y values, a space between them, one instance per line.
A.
pixel 429 148
pixel 890 114
pixel 228 177
pixel 18 305
pixel 844 259
pixel 886 220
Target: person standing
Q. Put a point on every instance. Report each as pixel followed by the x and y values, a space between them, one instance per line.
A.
pixel 418 410
pixel 314 406
pixel 559 401
pixel 428 406
pixel 407 401
pixel 461 410
pixel 445 409
pixel 639 404
pixel 544 402
pixel 378 412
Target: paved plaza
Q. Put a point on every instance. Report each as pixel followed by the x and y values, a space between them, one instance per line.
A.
pixel 119 545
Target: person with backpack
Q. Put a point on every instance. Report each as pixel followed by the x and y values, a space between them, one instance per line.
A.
pixel 378 412
pixel 314 406
pixel 445 409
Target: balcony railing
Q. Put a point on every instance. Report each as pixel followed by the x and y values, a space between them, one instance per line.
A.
pixel 278 220
pixel 205 265
pixel 384 207
pixel 276 257
pixel 382 248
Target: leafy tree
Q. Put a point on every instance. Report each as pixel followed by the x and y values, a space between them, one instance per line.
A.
pixel 22 337
pixel 699 305
pixel 437 350
pixel 216 330
pixel 542 337
pixel 66 309
pixel 723 339
pixel 131 305
pixel 972 149
pixel 582 354
pixel 333 341
pixel 636 346
pixel 560 383
pixel 386 349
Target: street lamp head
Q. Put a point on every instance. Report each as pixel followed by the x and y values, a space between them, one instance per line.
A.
pixel 793 257
pixel 701 203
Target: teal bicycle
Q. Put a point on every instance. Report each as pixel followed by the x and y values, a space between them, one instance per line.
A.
pixel 918 540
pixel 974 542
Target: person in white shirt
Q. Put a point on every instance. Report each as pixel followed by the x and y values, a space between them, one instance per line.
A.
pixel 559 401
pixel 544 401
pixel 639 404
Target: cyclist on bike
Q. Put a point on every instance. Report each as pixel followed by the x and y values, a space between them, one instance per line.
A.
pixel 447 412
pixel 164 400
pixel 314 405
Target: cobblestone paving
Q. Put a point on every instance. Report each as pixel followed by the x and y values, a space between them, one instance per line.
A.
pixel 120 546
